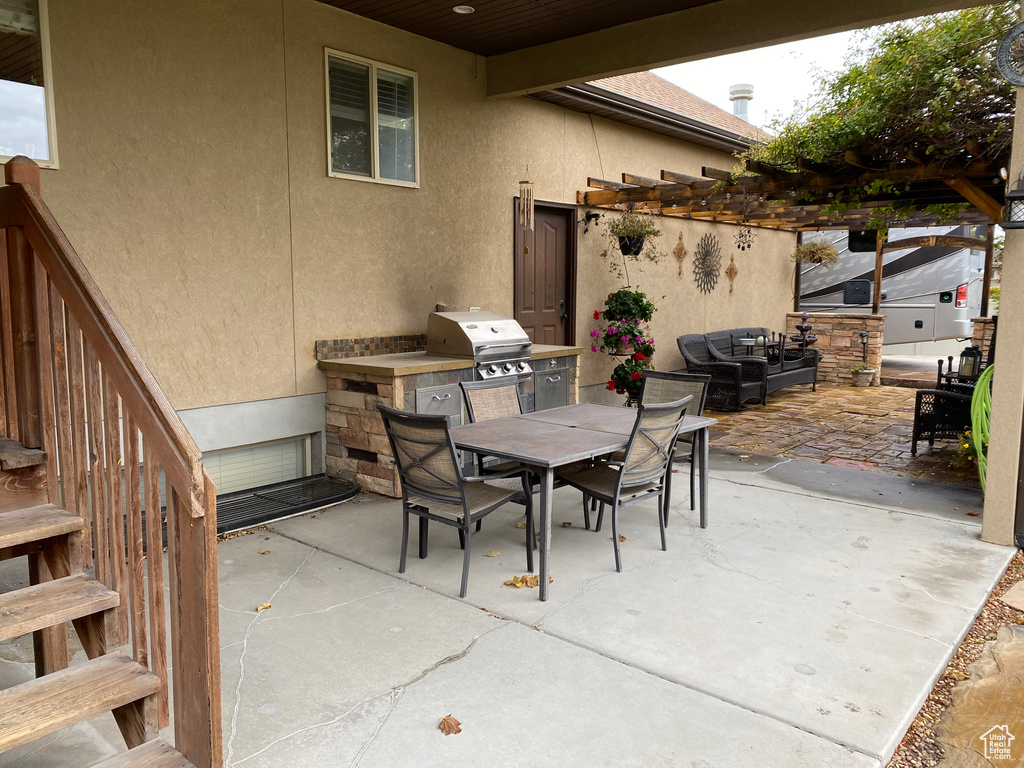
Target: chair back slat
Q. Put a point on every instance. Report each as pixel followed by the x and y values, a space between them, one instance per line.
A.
pixel 652 442
pixel 666 387
pixel 487 400
pixel 425 455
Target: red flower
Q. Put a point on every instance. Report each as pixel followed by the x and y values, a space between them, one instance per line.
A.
pixel 638 356
pixel 635 375
pixel 611 385
pixel 597 314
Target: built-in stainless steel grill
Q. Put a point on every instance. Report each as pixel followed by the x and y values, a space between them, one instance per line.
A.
pixel 498 344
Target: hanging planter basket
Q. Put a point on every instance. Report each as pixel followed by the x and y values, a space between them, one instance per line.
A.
pixel 632 245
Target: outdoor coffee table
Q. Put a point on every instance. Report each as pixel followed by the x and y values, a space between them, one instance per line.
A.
pixel 555 438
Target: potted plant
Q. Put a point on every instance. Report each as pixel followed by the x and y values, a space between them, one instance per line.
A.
pixel 816 252
pixel 634 236
pixel 626 336
pixel 862 375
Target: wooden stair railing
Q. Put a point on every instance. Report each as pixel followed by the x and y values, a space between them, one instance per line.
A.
pixel 72 384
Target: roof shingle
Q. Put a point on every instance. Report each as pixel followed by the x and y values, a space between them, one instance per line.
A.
pixel 657 91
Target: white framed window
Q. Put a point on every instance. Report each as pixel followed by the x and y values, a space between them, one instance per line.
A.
pixel 372 121
pixel 26 83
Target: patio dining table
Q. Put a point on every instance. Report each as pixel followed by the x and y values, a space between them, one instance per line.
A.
pixel 547 440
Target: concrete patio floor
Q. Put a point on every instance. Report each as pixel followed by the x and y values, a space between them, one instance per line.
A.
pixel 803 627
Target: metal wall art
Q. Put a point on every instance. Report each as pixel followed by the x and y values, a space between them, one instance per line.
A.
pixel 680 252
pixel 744 238
pixel 707 263
pixel 731 271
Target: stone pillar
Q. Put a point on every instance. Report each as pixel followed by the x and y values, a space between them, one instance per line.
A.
pixel 839 341
pixel 982 335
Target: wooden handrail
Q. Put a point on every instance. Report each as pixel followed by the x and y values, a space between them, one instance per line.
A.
pixel 85 396
pixel 179 455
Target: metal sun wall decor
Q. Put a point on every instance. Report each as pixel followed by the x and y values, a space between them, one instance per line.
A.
pixel 731 271
pixel 707 263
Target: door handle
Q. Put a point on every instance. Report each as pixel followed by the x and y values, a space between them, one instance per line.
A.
pixel 562 313
pixel 445 396
pixel 553 379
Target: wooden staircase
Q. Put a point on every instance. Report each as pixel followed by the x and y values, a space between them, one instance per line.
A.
pixel 87 443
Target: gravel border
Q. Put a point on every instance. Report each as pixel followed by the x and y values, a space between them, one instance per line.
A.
pixel 920 748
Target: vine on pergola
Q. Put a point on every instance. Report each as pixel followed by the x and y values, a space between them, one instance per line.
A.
pixel 926 86
pixel 924 91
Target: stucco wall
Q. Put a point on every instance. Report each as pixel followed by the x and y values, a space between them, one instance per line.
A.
pixel 193 183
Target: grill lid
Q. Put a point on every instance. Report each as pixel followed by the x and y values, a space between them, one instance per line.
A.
pixel 482 336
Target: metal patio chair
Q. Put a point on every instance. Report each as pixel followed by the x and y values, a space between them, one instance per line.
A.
pixel 498 399
pixel 435 488
pixel 668 386
pixel 642 472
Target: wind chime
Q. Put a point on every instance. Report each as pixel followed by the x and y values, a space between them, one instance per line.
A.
pixel 526 204
pixel 745 236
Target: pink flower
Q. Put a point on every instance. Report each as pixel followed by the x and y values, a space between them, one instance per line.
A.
pixel 612 330
pixel 593 348
pixel 594 333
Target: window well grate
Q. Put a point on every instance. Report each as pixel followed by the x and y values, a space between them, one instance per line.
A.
pixel 244 509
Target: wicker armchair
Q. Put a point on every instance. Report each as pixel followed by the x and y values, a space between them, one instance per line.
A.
pixel 940 413
pixel 732 383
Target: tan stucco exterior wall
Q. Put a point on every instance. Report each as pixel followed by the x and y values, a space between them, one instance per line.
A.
pixel 193 183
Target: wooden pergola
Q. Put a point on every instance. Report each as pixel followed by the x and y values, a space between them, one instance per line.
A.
pixel 818 196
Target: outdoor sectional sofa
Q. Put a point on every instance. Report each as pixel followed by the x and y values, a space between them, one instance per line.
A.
pixel 743 372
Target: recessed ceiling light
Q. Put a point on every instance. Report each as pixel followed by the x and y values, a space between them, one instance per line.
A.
pixel 463 9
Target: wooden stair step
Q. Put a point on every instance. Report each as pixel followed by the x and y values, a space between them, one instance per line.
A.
pixel 23 526
pixel 16 456
pixel 154 754
pixel 52 604
pixel 47 704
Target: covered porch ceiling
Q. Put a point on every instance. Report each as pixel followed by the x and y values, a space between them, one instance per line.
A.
pixel 537 45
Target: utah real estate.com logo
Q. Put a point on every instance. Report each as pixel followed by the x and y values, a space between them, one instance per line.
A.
pixel 997 741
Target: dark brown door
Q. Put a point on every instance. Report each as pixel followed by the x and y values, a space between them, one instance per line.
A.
pixel 543 301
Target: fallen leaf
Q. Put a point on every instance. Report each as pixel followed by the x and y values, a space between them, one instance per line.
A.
pixel 526 580
pixel 492 553
pixel 520 525
pixel 449 725
pixel 744 457
pixel 567 525
pixel 622 538
pixel 264 551
pixel 262 607
pixel 973 514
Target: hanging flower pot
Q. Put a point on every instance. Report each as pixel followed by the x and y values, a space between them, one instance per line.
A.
pixel 631 245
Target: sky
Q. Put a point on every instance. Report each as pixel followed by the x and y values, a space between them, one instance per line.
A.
pixel 781 74
pixel 22 120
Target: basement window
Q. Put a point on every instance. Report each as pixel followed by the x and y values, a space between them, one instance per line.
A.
pixel 372 128
pixel 26 92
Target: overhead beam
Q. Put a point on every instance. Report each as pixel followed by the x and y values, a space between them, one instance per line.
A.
pixel 689 35
pixel 977 197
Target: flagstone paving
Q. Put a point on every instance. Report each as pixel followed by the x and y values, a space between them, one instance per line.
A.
pixel 862 428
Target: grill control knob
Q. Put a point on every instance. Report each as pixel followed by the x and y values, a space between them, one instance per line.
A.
pixel 521 367
pixel 507 367
pixel 492 369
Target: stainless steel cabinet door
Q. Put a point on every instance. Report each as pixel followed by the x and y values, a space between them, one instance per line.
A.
pixel 551 389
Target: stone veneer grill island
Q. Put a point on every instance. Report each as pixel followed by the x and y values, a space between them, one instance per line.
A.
pixel 357 446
